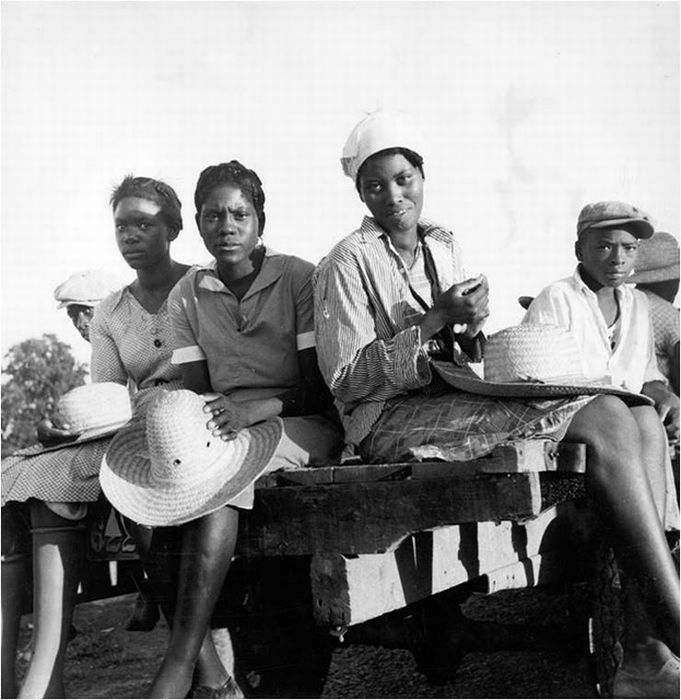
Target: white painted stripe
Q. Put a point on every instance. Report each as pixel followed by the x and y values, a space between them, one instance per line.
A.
pixel 306 340
pixel 193 353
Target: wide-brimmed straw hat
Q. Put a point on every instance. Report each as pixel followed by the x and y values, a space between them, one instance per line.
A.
pixel 377 132
pixel 86 288
pixel 169 469
pixel 531 361
pixel 657 260
pixel 93 411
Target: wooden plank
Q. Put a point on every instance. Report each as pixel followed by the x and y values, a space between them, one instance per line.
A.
pixel 371 517
pixel 350 590
pixel 509 458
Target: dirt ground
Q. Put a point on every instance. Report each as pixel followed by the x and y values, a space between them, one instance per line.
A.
pixel 105 661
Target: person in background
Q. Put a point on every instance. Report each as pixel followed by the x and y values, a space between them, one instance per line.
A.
pixel 656 274
pixel 79 295
pixel 130 337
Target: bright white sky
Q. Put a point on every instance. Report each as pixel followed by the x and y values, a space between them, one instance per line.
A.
pixel 530 109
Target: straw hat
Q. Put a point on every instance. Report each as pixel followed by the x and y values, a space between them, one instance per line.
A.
pixel 93 411
pixel 376 132
pixel 86 288
pixel 531 361
pixel 170 469
pixel 658 260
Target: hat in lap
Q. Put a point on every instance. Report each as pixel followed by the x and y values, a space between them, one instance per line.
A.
pixel 657 261
pixel 377 132
pixel 610 214
pixel 169 468
pixel 93 411
pixel 531 361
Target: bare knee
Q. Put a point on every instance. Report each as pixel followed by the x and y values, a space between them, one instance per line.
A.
pixel 650 426
pixel 605 424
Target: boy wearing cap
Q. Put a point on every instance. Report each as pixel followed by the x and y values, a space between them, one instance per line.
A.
pixel 609 319
pixel 611 324
pixel 80 293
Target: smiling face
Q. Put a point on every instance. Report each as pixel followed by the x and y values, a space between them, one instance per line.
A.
pixel 229 226
pixel 392 189
pixel 608 255
pixel 142 235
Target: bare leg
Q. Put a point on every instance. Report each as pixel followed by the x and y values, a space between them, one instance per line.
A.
pixel 13 580
pixel 624 456
pixel 58 552
pixel 15 562
pixel 207 550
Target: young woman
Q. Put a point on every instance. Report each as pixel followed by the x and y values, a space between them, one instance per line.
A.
pixel 130 336
pixel 393 294
pixel 244 339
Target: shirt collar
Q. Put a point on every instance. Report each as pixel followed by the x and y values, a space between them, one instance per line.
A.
pixel 371 231
pixel 622 291
pixel 270 271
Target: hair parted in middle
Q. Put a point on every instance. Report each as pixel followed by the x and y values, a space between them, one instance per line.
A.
pixel 155 191
pixel 238 175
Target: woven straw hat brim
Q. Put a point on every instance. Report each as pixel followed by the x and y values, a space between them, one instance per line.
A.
pixel 127 480
pixel 661 274
pixel 465 379
pixel 87 436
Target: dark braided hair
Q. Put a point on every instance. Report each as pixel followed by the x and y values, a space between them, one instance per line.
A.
pixel 236 174
pixel 413 157
pixel 155 191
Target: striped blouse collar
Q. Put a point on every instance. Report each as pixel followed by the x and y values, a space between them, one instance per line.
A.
pixel 371 231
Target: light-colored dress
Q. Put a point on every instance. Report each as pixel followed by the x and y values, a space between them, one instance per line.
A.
pixel 129 346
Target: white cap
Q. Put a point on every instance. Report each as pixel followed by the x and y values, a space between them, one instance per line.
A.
pixel 86 288
pixel 377 132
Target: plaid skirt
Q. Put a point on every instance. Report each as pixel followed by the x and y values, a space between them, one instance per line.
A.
pixel 456 426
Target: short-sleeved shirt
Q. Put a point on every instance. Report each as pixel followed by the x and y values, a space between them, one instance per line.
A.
pixel 570 304
pixel 251 346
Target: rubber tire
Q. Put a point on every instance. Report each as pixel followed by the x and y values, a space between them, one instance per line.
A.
pixel 606 624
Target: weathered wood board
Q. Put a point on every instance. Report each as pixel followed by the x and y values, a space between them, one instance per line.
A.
pixel 347 590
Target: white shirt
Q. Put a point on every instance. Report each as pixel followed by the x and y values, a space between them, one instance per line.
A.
pixel 570 304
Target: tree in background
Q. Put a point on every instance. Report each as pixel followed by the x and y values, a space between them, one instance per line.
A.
pixel 36 372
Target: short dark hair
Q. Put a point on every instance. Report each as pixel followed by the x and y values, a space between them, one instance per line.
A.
pixel 155 191
pixel 232 173
pixel 413 157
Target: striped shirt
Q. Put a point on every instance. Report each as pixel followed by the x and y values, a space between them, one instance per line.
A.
pixel 368 345
pixel 250 344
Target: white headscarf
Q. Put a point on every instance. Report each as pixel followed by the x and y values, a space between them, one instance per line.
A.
pixel 377 132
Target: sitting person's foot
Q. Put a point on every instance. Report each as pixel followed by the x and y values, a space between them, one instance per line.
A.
pixel 144 615
pixel 664 683
pixel 229 689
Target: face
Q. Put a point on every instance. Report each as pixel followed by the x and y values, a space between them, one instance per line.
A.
pixel 142 235
pixel 228 224
pixel 81 316
pixel 392 189
pixel 608 255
